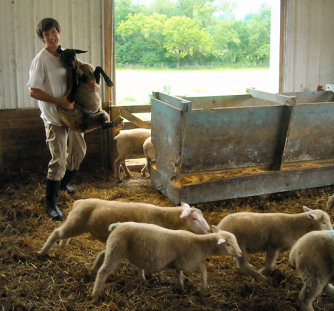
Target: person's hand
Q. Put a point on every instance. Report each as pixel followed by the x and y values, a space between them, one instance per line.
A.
pixel 63 102
pixel 92 86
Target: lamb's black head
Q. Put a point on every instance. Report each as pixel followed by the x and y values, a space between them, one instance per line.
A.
pixel 69 55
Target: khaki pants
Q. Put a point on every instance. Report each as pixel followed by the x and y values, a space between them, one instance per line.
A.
pixel 67 148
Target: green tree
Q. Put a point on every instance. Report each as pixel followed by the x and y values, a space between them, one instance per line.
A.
pixel 125 7
pixel 140 39
pixel 183 37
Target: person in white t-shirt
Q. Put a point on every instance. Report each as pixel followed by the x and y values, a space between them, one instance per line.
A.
pixel 47 84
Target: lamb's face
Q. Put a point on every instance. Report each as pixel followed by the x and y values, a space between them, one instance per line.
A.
pixel 68 56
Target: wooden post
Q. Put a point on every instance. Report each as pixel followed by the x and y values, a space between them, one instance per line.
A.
pixel 108 149
pixel 109 61
pixel 282 45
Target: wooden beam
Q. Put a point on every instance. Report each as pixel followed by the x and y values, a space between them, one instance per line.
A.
pixel 282 45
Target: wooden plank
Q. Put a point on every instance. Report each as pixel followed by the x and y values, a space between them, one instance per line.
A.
pixel 22 137
pixel 172 100
pixel 138 122
pixel 134 108
pixel 276 98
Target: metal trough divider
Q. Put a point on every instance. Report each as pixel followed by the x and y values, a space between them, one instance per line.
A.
pixel 222 147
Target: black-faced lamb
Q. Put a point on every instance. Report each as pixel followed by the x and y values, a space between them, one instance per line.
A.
pixel 95 215
pixel 154 248
pixel 313 257
pixel 129 142
pixel 149 153
pixel 87 113
pixel 271 233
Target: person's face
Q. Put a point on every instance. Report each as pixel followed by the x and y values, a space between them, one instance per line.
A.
pixel 51 38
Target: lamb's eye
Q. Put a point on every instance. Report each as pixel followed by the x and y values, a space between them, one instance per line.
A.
pixel 195 219
pixel 84 79
pixel 228 244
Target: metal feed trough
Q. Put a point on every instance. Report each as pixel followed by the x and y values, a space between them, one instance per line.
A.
pixel 223 147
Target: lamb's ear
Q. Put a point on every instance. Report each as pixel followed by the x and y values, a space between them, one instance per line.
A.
pixel 215 229
pixel 79 51
pixel 312 216
pixel 221 241
pixel 307 209
pixel 186 210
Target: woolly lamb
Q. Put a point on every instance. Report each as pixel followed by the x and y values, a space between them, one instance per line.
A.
pixel 271 233
pixel 129 142
pixel 95 215
pixel 330 203
pixel 155 248
pixel 87 114
pixel 149 153
pixel 313 257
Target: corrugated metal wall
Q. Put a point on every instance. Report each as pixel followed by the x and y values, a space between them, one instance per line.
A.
pixel 309 45
pixel 81 22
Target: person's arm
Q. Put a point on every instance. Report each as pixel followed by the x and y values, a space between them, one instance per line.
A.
pixel 43 96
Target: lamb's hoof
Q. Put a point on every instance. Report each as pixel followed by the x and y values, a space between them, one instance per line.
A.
pixel 40 254
pixel 107 125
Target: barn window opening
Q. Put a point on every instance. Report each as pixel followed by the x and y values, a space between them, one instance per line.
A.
pixel 195 47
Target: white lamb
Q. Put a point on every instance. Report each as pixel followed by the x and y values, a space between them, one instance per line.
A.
pixel 330 203
pixel 129 142
pixel 271 233
pixel 154 248
pixel 95 215
pixel 313 257
pixel 149 153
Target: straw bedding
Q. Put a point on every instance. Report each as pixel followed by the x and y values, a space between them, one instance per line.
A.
pixel 61 281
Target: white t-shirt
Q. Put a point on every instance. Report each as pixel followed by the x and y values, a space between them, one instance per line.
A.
pixel 48 74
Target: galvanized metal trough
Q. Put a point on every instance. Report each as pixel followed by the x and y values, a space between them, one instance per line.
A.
pixel 222 147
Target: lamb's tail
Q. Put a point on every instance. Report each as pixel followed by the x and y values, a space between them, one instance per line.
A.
pixel 112 227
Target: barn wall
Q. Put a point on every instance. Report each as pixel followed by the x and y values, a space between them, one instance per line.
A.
pixel 81 22
pixel 309 49
pixel 23 146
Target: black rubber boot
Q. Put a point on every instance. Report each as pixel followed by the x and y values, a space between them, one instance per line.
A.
pixel 52 189
pixel 66 179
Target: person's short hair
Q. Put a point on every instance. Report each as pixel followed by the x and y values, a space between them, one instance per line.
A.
pixel 45 25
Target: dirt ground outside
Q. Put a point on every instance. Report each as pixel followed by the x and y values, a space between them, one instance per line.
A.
pixel 61 281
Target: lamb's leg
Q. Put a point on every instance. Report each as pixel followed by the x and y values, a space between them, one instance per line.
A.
pixel 245 267
pixel 97 72
pixel 110 263
pixel 271 256
pixel 125 168
pixel 70 228
pixel 204 278
pixel 52 239
pixel 181 279
pixel 98 262
pixel 144 170
pixel 329 289
pixel 312 288
pixel 117 164
pixel 142 275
